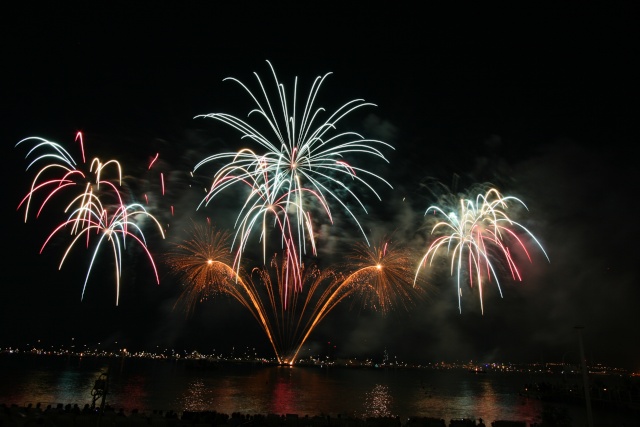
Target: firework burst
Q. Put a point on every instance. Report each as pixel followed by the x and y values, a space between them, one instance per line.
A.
pixel 378 277
pixel 98 208
pixel 381 278
pixel 202 264
pixel 479 236
pixel 300 168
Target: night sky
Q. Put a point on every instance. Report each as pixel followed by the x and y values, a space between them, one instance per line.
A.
pixel 540 103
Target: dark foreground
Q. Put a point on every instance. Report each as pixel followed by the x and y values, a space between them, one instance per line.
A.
pixel 74 416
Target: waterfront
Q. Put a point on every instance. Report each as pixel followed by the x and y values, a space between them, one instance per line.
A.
pixel 148 385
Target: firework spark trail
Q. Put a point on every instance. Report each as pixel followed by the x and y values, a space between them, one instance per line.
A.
pixel 303 164
pixel 291 314
pixel 157 184
pixel 383 275
pixel 253 211
pixel 61 161
pixel 89 213
pixel 61 171
pixel 203 263
pixel 481 232
pixel 113 227
pixel 153 160
pixel 379 277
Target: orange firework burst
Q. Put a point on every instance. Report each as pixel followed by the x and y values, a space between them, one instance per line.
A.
pixel 202 263
pixel 289 299
pixel 382 276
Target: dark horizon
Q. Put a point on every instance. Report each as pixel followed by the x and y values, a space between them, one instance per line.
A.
pixel 249 355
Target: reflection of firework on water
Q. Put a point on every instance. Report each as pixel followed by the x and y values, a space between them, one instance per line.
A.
pixel 480 236
pixel 378 403
pixel 97 211
pixel 196 397
pixel 304 165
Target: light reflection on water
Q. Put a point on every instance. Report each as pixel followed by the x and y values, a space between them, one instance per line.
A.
pixel 378 403
pixel 44 382
pixel 168 385
pixel 194 398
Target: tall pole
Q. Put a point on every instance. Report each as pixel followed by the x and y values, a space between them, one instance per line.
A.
pixel 585 377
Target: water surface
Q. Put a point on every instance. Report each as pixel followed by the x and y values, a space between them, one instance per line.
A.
pixel 149 385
